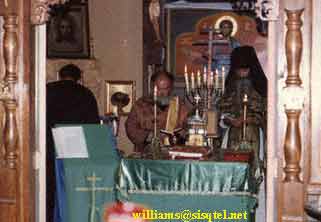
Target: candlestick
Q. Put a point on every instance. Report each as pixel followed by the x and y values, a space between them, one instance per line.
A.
pixel 198 79
pixel 155 111
pixel 193 81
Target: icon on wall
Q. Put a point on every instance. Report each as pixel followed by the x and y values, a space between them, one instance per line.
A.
pixel 68 32
pixel 119 97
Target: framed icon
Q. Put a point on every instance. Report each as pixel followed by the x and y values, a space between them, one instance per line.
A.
pixel 68 32
pixel 119 97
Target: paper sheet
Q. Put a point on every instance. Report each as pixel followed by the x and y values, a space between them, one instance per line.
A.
pixel 70 142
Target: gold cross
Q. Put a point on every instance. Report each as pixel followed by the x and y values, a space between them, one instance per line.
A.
pixel 93 190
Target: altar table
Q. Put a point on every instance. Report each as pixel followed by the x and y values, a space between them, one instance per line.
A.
pixel 87 186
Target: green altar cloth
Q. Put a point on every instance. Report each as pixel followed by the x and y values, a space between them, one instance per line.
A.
pixel 89 186
pixel 85 185
pixel 175 186
pixel 164 185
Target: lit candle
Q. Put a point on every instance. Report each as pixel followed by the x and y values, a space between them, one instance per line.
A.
pixel 216 83
pixel 193 81
pixel 245 100
pixel 186 79
pixel 198 79
pixel 211 82
pixel 204 75
pixel 155 93
pixel 223 79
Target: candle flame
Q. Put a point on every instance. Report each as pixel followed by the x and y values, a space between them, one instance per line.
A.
pixel 245 98
pixel 193 80
pixel 155 92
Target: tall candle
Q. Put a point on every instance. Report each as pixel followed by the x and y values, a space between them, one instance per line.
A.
pixel 245 100
pixel 204 75
pixel 193 81
pixel 210 52
pixel 155 93
pixel 186 79
pixel 216 83
pixel 198 79
pixel 211 82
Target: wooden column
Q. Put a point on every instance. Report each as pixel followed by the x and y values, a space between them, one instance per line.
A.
pixel 10 80
pixel 11 170
pixel 292 146
pixel 293 46
pixel 292 207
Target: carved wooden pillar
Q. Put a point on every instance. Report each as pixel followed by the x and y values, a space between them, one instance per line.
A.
pixel 292 207
pixel 8 95
pixel 10 48
pixel 293 46
pixel 11 133
pixel 292 146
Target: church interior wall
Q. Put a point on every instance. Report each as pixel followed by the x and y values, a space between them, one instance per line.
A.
pixel 116 52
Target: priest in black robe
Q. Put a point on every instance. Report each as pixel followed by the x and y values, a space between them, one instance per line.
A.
pixel 68 102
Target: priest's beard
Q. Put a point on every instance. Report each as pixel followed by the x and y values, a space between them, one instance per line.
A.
pixel 243 86
pixel 163 102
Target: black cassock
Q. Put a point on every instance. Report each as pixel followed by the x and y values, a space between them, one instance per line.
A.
pixel 67 102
